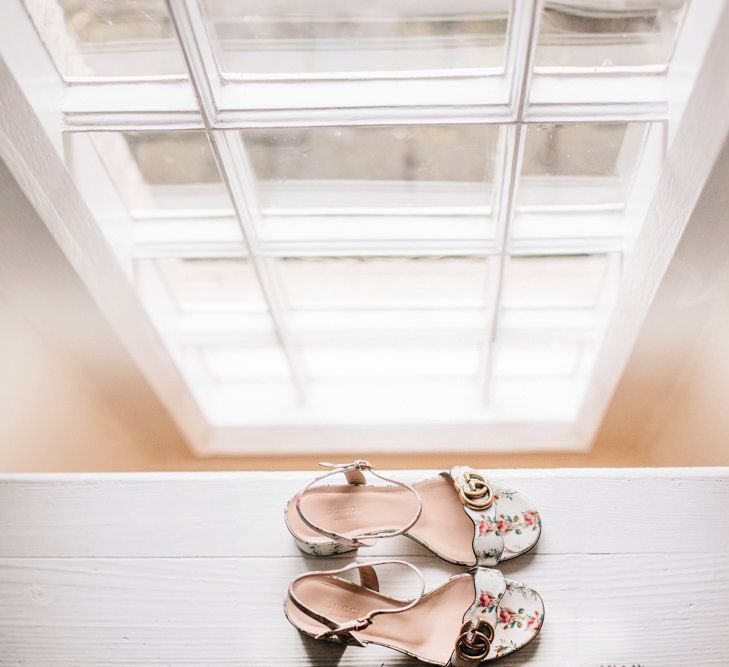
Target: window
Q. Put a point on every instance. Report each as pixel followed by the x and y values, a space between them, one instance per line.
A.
pixel 371 213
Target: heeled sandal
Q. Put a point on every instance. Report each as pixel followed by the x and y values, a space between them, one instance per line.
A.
pixel 471 618
pixel 459 515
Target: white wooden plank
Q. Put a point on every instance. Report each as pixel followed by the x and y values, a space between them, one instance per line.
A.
pixel 240 514
pixel 649 609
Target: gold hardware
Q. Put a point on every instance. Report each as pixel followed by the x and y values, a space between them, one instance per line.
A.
pixel 475 648
pixel 476 492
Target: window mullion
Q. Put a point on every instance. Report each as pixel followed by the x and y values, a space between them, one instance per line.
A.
pixel 234 170
pixel 526 32
pixel 197 53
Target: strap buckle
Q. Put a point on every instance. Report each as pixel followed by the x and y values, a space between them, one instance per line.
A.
pixel 357 625
pixel 359 464
pixel 475 492
pixel 474 640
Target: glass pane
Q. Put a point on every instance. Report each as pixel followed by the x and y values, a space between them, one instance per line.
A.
pixel 357 283
pixel 392 363
pixel 171 171
pixel 421 167
pixel 108 38
pixel 213 318
pixel 608 34
pixel 586 164
pixel 557 298
pixel 519 360
pixel 348 36
pixel 245 364
pixel 570 280
pixel 211 285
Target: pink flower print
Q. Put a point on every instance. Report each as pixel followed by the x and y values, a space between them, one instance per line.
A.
pixel 531 518
pixel 485 526
pixel 503 647
pixel 505 525
pixel 486 600
pixel 506 616
pixel 535 621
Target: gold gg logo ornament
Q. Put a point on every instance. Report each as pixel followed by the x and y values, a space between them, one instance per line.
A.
pixel 476 491
pixel 476 647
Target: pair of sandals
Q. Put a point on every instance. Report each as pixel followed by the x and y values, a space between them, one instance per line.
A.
pixel 471 618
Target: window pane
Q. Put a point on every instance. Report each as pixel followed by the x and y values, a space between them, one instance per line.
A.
pixel 344 169
pixel 108 38
pixel 392 363
pixel 534 360
pixel 214 319
pixel 347 36
pixel 170 171
pixel 563 297
pixel 356 283
pixel 234 383
pixel 211 285
pixel 606 34
pixel 245 364
pixel 586 164
pixel 573 280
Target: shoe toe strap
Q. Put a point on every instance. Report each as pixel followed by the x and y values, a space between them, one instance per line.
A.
pixel 476 635
pixel 479 504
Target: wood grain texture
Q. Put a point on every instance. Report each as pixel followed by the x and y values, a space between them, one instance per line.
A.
pixel 241 514
pixel 191 569
pixel 654 609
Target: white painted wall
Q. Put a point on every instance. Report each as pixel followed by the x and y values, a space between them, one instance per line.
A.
pixel 54 416
pixel 693 427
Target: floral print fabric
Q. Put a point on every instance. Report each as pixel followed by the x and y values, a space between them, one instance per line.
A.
pixel 515 611
pixel 508 528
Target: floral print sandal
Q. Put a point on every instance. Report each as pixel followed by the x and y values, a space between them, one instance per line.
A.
pixel 471 618
pixel 459 515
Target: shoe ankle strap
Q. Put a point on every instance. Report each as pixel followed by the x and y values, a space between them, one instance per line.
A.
pixel 368 577
pixel 354 472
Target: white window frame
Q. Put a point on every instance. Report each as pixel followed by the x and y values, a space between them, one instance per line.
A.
pixel 168 104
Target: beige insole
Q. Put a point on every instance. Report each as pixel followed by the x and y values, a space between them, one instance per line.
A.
pixel 427 631
pixel 352 510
